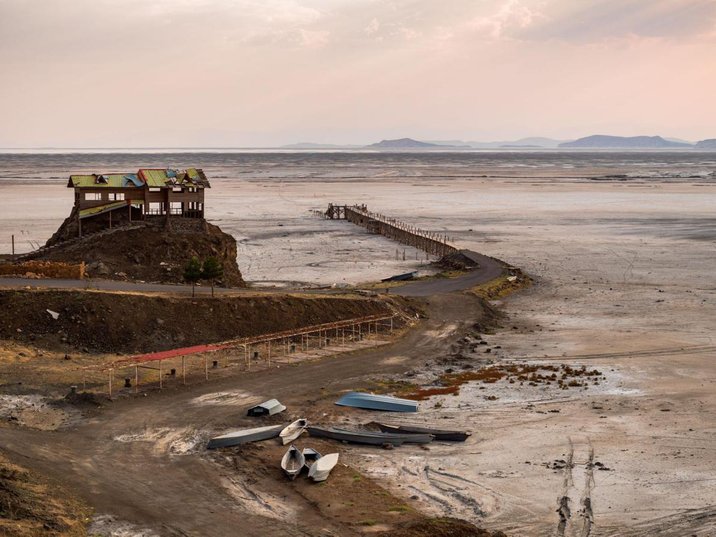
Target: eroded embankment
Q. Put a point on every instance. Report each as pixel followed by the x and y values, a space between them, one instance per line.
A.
pixel 30 506
pixel 115 322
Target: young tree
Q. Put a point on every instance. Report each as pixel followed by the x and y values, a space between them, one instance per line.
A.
pixel 212 271
pixel 192 272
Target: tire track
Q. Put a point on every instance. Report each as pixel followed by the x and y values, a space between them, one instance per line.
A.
pixel 563 509
pixel 586 513
pixel 578 468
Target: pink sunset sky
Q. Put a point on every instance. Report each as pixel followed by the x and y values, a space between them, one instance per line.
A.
pixel 233 73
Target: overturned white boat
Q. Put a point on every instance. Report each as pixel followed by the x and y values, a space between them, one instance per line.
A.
pixel 292 462
pixel 243 436
pixel 293 431
pixel 320 469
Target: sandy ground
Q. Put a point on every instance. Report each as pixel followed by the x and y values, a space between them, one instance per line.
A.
pixel 624 283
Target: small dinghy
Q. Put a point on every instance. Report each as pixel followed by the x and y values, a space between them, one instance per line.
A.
pixel 320 469
pixel 377 402
pixel 293 431
pixel 234 438
pixel 439 434
pixel 310 455
pixel 292 462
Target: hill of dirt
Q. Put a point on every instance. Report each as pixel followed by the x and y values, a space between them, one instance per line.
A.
pixel 29 506
pixel 129 323
pixel 151 251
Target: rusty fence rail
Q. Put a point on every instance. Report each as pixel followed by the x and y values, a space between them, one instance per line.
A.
pixel 263 347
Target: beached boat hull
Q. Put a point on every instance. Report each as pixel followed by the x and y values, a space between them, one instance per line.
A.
pixel 369 437
pixel 377 402
pixel 244 436
pixel 439 434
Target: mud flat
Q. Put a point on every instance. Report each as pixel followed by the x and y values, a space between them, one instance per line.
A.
pixel 623 284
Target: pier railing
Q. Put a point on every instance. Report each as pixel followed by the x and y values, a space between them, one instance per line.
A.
pixel 431 242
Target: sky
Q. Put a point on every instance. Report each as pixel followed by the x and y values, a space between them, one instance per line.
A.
pixel 237 73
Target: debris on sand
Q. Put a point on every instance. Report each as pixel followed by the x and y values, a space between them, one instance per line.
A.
pixel 34 411
pixel 110 526
pixel 562 376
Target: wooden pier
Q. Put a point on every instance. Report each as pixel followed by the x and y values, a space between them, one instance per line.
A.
pixel 430 242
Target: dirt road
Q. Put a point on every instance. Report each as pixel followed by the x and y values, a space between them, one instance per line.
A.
pixel 489 269
pixel 125 460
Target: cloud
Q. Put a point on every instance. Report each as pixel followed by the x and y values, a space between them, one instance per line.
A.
pixel 261 67
pixel 373 27
pixel 513 16
pixel 596 20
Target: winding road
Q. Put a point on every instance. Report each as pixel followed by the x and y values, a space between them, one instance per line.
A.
pixel 488 269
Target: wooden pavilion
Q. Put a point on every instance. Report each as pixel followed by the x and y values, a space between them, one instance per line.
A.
pixel 148 193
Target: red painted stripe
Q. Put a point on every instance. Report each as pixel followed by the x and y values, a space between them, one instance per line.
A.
pixel 173 353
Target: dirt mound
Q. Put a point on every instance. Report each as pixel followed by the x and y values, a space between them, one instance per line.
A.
pixel 152 251
pixel 441 527
pixel 113 322
pixel 31 507
pixel 457 261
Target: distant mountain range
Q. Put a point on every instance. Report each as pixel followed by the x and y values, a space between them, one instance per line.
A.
pixel 597 141
pixel 709 144
pixel 531 142
pixel 409 143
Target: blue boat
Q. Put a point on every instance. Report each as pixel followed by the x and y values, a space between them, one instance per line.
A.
pixel 377 402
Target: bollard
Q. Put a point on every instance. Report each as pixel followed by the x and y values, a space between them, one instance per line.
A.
pixel 127 382
pixel 73 390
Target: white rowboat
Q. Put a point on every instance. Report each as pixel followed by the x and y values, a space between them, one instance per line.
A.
pixel 292 462
pixel 293 431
